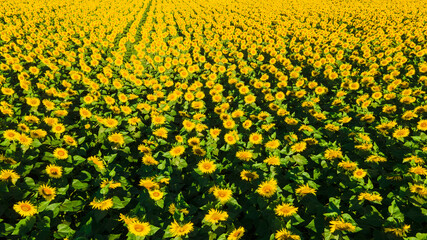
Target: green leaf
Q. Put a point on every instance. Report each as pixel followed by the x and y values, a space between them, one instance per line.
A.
pixel 118 204
pixel 160 203
pixel 36 143
pixel 71 206
pixel 64 230
pixel 153 230
pixel 6 229
pixel 54 207
pixel 78 159
pixel 180 163
pixel 30 182
pixel 24 226
pixel 311 226
pixel 128 139
pixel 42 206
pixel 79 185
pixel 81 140
pixel 394 211
pixel 114 236
pixel 299 159
pixel 222 237
pixel 110 158
pixel 86 175
pixel 162 165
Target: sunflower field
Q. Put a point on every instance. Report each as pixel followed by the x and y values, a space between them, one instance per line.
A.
pixel 213 119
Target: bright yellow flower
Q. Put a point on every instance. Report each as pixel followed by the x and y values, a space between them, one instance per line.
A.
pixel 25 208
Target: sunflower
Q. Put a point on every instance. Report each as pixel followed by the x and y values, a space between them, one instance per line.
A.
pixel 194 141
pixel 50 121
pixel 102 205
pixel 244 155
pixel 98 162
pixel 229 124
pixel 161 132
pixel 285 210
pixel 47 192
pixel 248 175
pixel 399 232
pixel 284 234
pixel 49 105
pixel 10 135
pixel 180 230
pixel 149 184
pixel 373 197
pixel 60 153
pixel 206 166
pixel 156 194
pixel 401 132
pixel 54 171
pixel 88 99
pixel 25 208
pixel 148 159
pixel 272 160
pixel 33 102
pixel 231 137
pixel 215 216
pixel 250 99
pixel 340 225
pixel 236 234
pixel 138 228
pixel 158 120
pixel 7 174
pixel 111 184
pixel 223 194
pixel 376 159
pixel 273 144
pixel 267 188
pixel 415 159
pixel 109 100
pixel 25 140
pixel 422 125
pixel 188 125
pixel 85 113
pixel 299 147
pixel 116 138
pixel 332 154
pixel 23 127
pixel 7 91
pixel 419 189
pixel 247 124
pixel 38 133
pixel 418 170
pixel 58 128
pixel 69 140
pixel 6 160
pixel 214 132
pixel 134 121
pixel 255 138
pixel 359 173
pixel 304 190
pixel 110 122
pixel 347 165
pixel 199 151
pixel 32 119
pixel 177 151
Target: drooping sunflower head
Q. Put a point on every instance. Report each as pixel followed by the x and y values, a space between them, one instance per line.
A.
pixel 47 192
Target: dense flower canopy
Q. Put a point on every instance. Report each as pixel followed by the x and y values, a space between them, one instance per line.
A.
pixel 214 119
